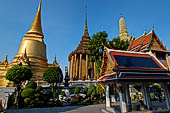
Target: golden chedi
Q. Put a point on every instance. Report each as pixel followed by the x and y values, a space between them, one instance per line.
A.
pixel 35 49
pixel 32 53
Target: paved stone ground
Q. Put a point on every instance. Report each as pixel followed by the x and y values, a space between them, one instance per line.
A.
pixel 65 109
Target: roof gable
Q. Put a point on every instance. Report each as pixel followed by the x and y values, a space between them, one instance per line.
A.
pixel 146 41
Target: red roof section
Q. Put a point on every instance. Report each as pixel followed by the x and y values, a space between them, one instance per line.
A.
pixel 140 39
pixel 137 42
pixel 147 39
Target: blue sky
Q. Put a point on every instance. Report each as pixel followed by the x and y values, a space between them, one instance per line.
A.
pixel 63 22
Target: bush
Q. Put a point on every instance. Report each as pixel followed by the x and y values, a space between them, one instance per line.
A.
pixel 27 100
pixel 38 89
pixel 28 92
pixel 85 90
pixel 32 85
pixel 91 89
pixel 94 93
pixel 77 90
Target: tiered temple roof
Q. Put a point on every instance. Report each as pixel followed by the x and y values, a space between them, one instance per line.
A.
pixel 146 42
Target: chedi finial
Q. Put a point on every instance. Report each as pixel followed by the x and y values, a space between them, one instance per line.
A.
pixel 36 26
pixel 86 29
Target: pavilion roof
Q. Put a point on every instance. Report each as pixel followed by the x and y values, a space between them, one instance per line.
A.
pixel 134 65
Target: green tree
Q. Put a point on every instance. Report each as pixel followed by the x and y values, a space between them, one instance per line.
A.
pixel 96 48
pixel 53 75
pixel 18 74
pixel 116 43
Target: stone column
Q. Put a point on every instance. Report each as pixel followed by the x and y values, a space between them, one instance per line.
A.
pixel 87 67
pixel 146 95
pixel 107 96
pixel 74 69
pixel 122 97
pixel 128 99
pixel 80 67
pixel 94 75
pixel 71 67
pixel 167 96
pixel 77 68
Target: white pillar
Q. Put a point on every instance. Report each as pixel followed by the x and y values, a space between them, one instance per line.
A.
pixel 146 95
pixel 128 99
pixel 107 96
pixel 122 98
pixel 167 97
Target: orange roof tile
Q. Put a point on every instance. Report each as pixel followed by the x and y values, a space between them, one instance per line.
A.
pixel 146 39
pixel 137 42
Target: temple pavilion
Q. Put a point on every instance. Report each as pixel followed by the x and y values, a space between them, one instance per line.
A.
pixel 31 53
pixel 81 71
pixel 146 62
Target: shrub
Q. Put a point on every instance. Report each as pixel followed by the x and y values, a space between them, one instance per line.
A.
pixel 28 92
pixel 27 100
pixel 77 90
pixel 91 89
pixel 85 90
pixel 32 85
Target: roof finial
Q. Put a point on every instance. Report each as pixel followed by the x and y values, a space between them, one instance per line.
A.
pixel 5 60
pixel 145 30
pixel 133 37
pixel 55 61
pixel 153 27
pixel 121 15
pixel 130 37
pixel 86 29
pixel 36 26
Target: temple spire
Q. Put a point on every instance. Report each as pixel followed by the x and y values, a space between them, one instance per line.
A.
pixel 86 29
pixel 55 61
pixel 36 26
pixel 123 34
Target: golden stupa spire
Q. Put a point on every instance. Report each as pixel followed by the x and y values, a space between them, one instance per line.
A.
pixel 36 26
pixel 55 61
pixel 86 29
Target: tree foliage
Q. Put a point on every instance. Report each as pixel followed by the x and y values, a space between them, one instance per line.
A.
pixel 18 74
pixel 96 45
pixel 53 75
pixel 116 43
